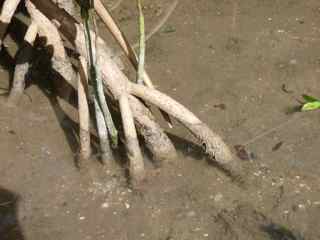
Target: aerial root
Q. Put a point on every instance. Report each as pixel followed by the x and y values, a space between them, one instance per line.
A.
pixel 84 115
pixel 8 9
pixel 131 141
pixel 134 114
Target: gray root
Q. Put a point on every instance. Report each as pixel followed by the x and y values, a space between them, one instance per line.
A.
pixel 155 138
pixel 104 142
pixel 84 116
pixel 106 152
pixel 23 59
pixel 131 141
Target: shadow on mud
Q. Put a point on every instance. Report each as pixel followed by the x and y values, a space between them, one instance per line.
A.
pixel 278 232
pixel 9 225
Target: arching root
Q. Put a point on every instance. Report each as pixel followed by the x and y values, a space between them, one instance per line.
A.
pixel 120 89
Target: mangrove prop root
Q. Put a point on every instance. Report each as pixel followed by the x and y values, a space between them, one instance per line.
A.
pixel 119 88
pixel 131 141
pixel 84 115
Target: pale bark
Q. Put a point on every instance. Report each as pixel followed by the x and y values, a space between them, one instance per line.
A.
pixel 131 141
pixel 84 116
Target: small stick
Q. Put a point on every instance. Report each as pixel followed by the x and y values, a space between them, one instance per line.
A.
pixel 159 24
pixel 132 144
pixel 115 5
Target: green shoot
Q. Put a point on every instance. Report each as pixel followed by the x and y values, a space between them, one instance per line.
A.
pixel 311 103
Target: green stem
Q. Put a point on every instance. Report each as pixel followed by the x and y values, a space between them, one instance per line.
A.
pixel 101 106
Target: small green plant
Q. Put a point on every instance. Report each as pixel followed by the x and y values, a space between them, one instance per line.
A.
pixel 310 104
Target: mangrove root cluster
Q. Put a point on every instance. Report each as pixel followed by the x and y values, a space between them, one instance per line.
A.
pixel 54 20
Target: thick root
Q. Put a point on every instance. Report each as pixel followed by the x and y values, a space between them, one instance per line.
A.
pixel 155 138
pixel 211 142
pixel 137 170
pixel 84 117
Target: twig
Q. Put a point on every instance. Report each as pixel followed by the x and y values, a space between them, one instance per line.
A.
pixel 270 130
pixel 115 5
pixel 161 22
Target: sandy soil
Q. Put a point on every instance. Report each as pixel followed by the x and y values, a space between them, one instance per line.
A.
pixel 239 65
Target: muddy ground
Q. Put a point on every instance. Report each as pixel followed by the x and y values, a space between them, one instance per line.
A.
pixel 240 66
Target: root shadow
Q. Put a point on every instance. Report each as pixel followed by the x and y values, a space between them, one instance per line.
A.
pixel 278 232
pixel 7 63
pixel 188 148
pixel 9 225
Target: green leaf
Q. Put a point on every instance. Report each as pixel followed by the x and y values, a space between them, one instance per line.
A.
pixel 309 98
pixel 311 106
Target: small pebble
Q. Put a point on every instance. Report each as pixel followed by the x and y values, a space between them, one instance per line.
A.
pixel 218 197
pixel 191 214
pixel 293 61
pixel 105 205
pixel 127 205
